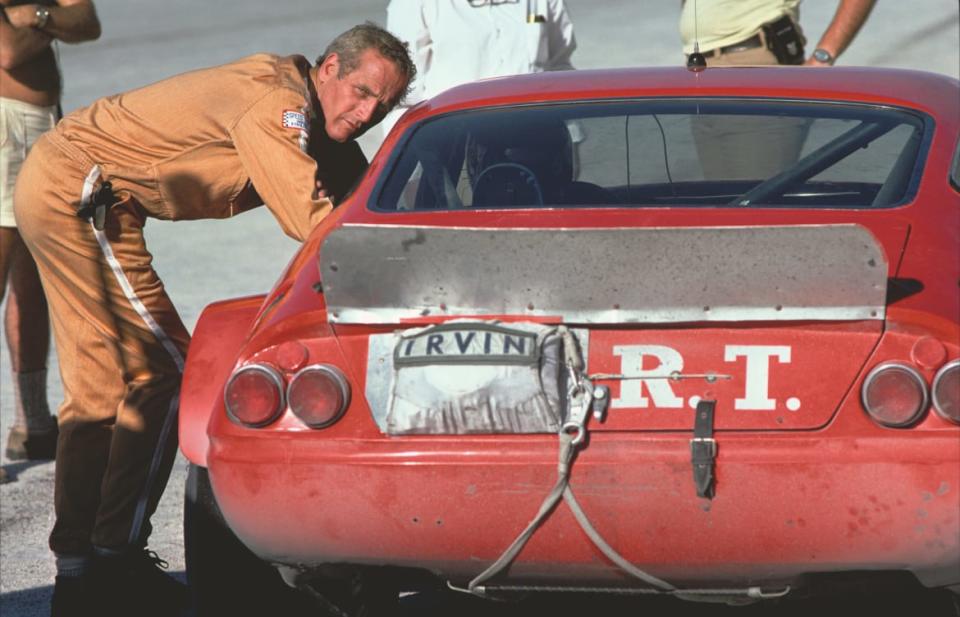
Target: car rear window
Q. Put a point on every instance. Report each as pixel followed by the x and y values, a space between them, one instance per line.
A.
pixel 683 153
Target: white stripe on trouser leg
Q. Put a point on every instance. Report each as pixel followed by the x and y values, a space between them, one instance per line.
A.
pixel 135 301
pixel 165 340
pixel 88 183
pixel 140 514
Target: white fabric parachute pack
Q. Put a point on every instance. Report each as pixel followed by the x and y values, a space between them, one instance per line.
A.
pixel 470 376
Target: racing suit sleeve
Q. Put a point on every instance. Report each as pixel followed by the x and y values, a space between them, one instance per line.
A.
pixel 562 41
pixel 406 21
pixel 271 138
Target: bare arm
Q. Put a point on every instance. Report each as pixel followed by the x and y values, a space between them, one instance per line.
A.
pixel 71 21
pixel 18 45
pixel 850 16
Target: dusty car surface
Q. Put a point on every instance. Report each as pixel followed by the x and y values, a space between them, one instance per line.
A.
pixel 651 331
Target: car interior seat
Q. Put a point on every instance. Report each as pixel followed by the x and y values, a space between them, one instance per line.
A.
pixel 528 164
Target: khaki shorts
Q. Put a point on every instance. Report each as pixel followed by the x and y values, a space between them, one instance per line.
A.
pixel 21 124
pixel 747 148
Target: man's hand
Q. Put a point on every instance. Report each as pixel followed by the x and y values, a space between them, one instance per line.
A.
pixel 71 21
pixel 19 45
pixel 322 191
pixel 22 15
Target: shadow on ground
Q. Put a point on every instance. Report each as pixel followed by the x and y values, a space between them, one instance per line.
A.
pixel 442 604
pixel 35 602
pixel 13 470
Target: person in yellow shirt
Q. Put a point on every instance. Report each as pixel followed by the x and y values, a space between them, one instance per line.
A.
pixel 741 32
pixel 758 33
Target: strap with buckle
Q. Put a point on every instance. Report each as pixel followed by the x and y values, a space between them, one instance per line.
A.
pixel 703 449
pixel 95 210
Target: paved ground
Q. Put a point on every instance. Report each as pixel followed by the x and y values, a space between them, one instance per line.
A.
pixel 205 261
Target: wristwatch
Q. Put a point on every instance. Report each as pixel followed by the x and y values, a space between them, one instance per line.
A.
pixel 822 55
pixel 43 16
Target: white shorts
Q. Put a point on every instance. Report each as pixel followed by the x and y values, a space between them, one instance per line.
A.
pixel 21 124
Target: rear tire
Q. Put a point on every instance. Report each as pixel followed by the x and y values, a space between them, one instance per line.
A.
pixel 370 592
pixel 225 577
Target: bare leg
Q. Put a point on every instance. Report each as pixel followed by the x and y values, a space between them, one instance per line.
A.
pixel 27 327
pixel 9 242
pixel 26 320
pixel 8 236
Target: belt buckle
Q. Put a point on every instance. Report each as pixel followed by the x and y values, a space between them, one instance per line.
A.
pixel 751 42
pixel 703 448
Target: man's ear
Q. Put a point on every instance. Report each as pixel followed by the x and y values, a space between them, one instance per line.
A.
pixel 330 67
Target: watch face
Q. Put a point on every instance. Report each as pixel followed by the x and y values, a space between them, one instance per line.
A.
pixel 822 55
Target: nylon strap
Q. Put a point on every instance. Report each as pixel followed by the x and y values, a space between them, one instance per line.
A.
pixel 580 396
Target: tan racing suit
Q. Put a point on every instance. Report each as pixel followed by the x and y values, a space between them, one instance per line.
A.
pixel 206 144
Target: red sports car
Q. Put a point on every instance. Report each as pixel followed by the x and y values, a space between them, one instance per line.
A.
pixel 652 331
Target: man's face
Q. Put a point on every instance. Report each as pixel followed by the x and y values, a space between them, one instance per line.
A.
pixel 360 99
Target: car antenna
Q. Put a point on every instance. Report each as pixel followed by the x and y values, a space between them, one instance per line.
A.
pixel 696 61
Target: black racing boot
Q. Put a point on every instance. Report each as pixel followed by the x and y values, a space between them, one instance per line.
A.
pixel 32 445
pixel 72 597
pixel 134 584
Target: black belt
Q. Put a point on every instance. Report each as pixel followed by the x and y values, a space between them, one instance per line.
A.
pixel 752 43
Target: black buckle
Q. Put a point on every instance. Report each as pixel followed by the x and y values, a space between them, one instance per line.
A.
pixel 96 208
pixel 703 449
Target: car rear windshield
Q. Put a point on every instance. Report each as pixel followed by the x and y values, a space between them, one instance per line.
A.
pixel 677 153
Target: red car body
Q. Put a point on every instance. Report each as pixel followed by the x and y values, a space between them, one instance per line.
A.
pixel 806 481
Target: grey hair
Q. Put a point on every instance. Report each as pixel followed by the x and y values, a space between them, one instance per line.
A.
pixel 350 45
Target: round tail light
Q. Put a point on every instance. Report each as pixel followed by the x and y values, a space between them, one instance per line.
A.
pixel 254 395
pixel 318 395
pixel 946 391
pixel 894 394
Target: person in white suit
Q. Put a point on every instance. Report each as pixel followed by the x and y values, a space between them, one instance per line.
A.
pixel 457 41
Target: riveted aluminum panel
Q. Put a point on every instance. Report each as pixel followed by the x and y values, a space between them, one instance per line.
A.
pixel 385 274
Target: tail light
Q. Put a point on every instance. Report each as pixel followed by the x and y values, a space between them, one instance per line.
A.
pixel 894 394
pixel 946 391
pixel 254 395
pixel 318 395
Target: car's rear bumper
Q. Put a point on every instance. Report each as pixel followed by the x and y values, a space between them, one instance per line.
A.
pixel 785 505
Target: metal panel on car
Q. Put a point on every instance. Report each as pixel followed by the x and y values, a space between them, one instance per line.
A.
pixel 387 274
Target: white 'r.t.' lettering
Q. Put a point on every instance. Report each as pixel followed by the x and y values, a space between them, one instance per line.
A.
pixel 631 365
pixel 757 374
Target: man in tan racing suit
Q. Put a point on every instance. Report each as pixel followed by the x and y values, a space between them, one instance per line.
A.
pixel 206 144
